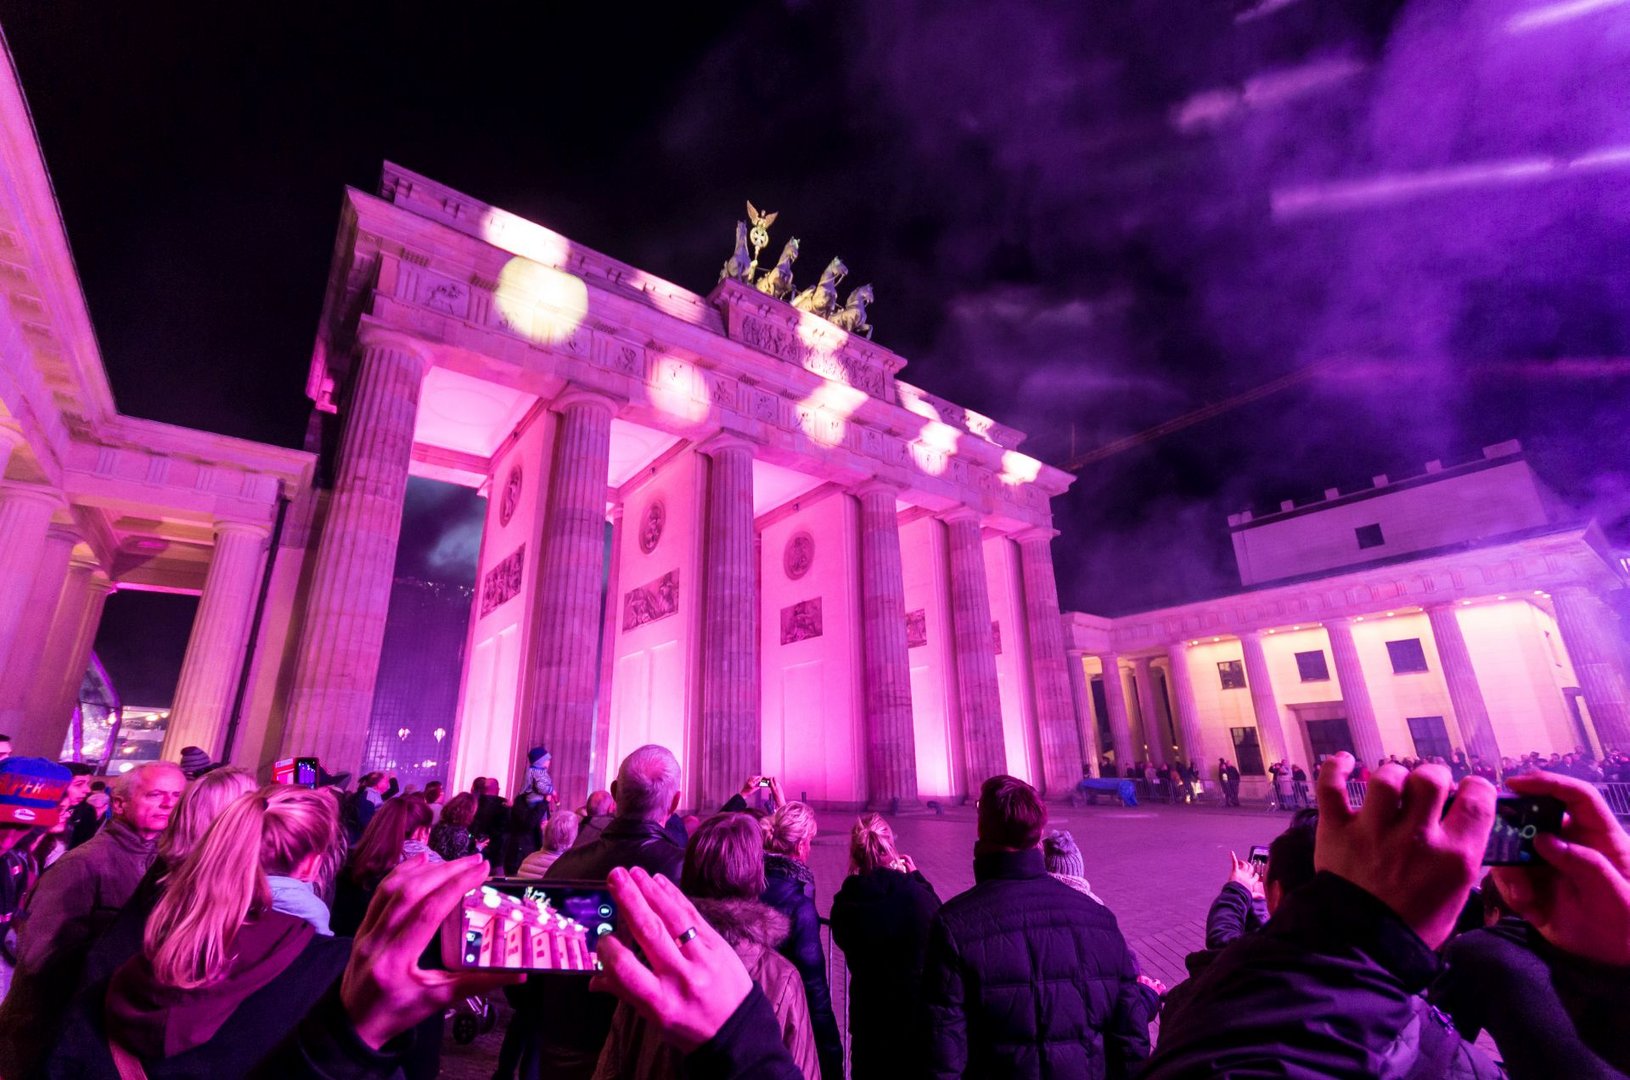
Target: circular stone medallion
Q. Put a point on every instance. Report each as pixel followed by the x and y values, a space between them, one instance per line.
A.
pixel 656 516
pixel 511 497
pixel 799 556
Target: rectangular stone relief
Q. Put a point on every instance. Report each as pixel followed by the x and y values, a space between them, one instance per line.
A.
pixel 916 628
pixel 653 602
pixel 502 582
pixel 801 621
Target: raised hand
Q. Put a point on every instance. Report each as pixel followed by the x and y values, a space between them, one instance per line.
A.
pixel 384 990
pixel 1580 899
pixel 686 991
pixel 1401 847
pixel 1244 873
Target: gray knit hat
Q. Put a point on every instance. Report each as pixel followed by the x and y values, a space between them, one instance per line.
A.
pixel 1063 857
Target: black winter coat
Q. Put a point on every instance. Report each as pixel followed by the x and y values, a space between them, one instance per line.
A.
pixel 1330 988
pixel 1550 1013
pixel 1025 977
pixel 789 887
pixel 880 920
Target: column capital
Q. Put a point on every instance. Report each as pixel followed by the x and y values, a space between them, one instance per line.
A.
pixel 371 335
pixel 614 513
pixel 875 485
pixel 961 513
pixel 723 440
pixel 584 395
pixel 1250 635
pixel 1143 663
pixel 34 493
pixel 88 562
pixel 228 527
pixel 1337 620
pixel 1043 533
pixel 63 532
pixel 1178 648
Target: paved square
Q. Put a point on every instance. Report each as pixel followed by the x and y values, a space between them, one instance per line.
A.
pixel 1157 867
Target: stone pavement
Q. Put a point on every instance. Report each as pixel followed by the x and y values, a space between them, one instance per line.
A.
pixel 1157 867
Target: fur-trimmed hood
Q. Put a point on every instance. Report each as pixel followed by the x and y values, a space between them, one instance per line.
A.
pixel 746 922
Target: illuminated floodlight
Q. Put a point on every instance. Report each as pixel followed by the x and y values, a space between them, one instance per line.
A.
pixel 1465 603
pixel 1390 614
pixel 1499 598
pixel 540 302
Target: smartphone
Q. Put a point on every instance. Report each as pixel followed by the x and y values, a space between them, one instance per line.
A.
pixel 305 771
pixel 1259 858
pixel 1517 820
pixel 521 924
pixel 764 782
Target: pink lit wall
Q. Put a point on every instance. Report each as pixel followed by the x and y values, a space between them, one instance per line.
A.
pixel 655 696
pixel 935 722
pixel 494 704
pixel 1013 661
pixel 1523 669
pixel 812 703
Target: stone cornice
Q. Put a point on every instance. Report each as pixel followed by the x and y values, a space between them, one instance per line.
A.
pixel 1540 563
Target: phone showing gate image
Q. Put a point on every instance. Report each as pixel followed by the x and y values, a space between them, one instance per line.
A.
pixel 1517 820
pixel 520 924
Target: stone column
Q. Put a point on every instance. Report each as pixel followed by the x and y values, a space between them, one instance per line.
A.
pixel 1355 692
pixel 33 634
pixel 69 654
pixel 1149 706
pixel 215 650
pixel 1270 726
pixel 1476 728
pixel 600 769
pixel 731 729
pixel 1086 721
pixel 1597 651
pixel 25 513
pixel 568 591
pixel 1060 737
pixel 1120 720
pixel 1186 706
pixel 974 646
pixel 331 692
pixel 891 740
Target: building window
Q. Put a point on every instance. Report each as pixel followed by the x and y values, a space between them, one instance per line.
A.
pixel 1232 673
pixel 1431 737
pixel 1369 536
pixel 1247 752
pixel 1407 656
pixel 1325 737
pixel 1312 666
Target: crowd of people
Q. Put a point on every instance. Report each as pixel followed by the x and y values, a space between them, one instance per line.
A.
pixel 206 925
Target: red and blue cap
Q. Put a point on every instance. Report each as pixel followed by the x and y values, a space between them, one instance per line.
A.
pixel 31 791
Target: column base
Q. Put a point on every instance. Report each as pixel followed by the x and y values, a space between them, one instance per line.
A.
pixel 894 807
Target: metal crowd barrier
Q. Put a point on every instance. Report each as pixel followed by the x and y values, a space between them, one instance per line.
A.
pixel 1618 798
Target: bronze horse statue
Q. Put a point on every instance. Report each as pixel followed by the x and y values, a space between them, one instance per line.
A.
pixel 739 267
pixel 852 316
pixel 822 298
pixel 777 281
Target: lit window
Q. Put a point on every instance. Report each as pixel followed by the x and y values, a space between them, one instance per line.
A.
pixel 1232 674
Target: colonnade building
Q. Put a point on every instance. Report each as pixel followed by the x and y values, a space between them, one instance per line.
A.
pixel 1463 608
pixel 714 522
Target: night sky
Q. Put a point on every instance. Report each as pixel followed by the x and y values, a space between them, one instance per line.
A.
pixel 1082 219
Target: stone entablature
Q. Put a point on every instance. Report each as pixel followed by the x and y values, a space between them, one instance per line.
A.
pixel 676 364
pixel 1568 556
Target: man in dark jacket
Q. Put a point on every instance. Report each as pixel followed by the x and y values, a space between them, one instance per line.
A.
pixel 1025 977
pixel 558 1030
pixel 1331 987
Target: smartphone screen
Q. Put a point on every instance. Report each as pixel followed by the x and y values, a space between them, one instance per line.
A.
pixel 526 925
pixel 1259 857
pixel 305 771
pixel 1517 820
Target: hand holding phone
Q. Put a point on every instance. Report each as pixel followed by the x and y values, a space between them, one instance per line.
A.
pixel 529 925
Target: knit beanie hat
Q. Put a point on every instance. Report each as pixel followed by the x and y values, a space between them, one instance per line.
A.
pixel 1063 857
pixel 31 790
pixel 195 762
pixel 536 754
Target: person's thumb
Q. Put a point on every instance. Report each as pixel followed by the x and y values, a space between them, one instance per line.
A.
pixel 1573 860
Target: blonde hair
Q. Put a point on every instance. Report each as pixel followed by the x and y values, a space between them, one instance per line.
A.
pixel 790 825
pixel 871 845
pixel 223 880
pixel 206 797
pixel 561 832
